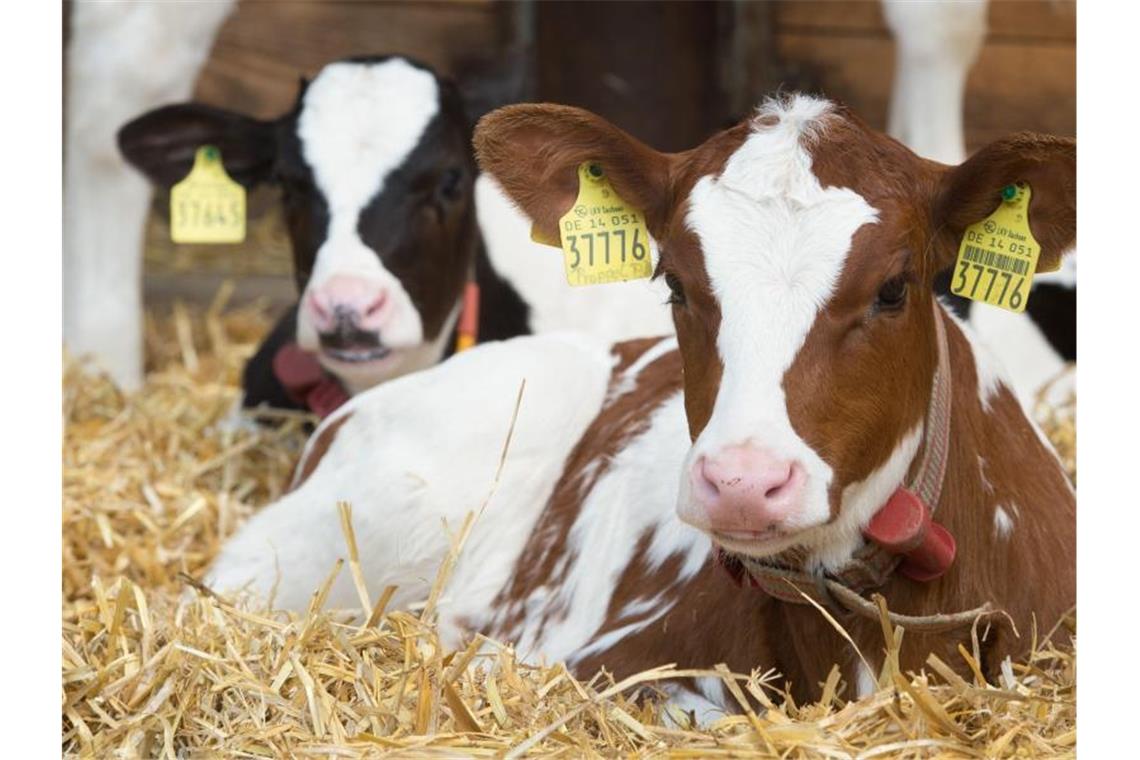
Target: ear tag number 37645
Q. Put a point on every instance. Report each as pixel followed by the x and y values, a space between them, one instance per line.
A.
pixel 207 206
pixel 998 255
pixel 604 239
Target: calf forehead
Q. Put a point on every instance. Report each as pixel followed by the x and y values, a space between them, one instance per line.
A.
pixel 774 240
pixel 359 122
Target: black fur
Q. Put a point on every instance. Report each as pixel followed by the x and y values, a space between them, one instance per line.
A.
pixel 259 384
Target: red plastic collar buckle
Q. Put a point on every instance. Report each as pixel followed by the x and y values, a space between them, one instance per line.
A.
pixel 905 526
pixel 306 381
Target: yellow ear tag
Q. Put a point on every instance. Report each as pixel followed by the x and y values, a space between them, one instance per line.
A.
pixel 207 206
pixel 998 255
pixel 603 238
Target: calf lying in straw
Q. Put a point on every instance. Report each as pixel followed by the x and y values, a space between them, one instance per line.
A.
pixel 824 424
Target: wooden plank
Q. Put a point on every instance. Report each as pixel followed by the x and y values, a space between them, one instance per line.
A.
pixel 263 48
pixel 1014 87
pixel 1054 20
pixel 650 68
pixel 200 288
pixel 855 70
pixel 848 15
pixel 1040 19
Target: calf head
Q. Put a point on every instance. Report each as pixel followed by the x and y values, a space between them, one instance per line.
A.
pixel 800 249
pixel 376 176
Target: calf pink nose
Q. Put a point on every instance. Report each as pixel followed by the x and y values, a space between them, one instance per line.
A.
pixel 745 489
pixel 343 297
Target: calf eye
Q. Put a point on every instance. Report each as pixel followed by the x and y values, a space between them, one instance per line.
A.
pixel 676 292
pixel 892 295
pixel 449 186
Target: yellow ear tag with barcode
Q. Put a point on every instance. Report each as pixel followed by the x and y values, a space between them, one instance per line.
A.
pixel 207 206
pixel 998 255
pixel 604 239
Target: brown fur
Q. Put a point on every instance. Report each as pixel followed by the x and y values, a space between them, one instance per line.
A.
pixel 320 446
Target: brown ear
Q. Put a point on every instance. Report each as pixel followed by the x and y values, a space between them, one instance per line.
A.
pixel 534 151
pixel 970 192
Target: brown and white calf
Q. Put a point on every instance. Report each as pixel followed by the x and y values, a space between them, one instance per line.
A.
pixel 812 377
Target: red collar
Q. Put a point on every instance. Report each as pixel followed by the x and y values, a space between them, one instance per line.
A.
pixel 307 382
pixel 905 525
pixel 467 333
pixel 902 535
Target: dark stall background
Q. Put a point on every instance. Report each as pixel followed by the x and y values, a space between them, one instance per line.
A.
pixel 670 73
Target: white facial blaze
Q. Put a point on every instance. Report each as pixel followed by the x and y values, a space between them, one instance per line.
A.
pixel 774 243
pixel 359 122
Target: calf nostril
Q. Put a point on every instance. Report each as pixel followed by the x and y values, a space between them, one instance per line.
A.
pixel 375 306
pixel 782 482
pixel 704 482
pixel 318 309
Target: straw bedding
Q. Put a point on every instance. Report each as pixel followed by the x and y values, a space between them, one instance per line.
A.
pixel 154 482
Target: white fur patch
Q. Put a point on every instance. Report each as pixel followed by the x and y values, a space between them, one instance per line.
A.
pixel 774 242
pixel 865 682
pixel 1066 276
pixel 1028 361
pixel 987 486
pixel 359 122
pixel 686 706
pixel 1003 522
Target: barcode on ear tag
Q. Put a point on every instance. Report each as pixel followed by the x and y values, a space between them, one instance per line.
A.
pixel 207 206
pixel 604 239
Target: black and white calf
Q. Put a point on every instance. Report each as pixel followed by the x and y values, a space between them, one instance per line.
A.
pixel 379 188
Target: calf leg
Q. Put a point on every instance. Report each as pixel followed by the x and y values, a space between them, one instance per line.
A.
pixel 123 59
pixel 937 43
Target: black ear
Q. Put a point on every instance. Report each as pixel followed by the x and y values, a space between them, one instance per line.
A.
pixel 490 83
pixel 161 143
pixel 969 193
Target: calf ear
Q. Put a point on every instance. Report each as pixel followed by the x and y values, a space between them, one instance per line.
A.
pixel 161 143
pixel 534 151
pixel 970 192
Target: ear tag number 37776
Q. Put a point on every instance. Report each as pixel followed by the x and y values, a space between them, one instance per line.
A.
pixel 998 255
pixel 603 238
pixel 207 206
